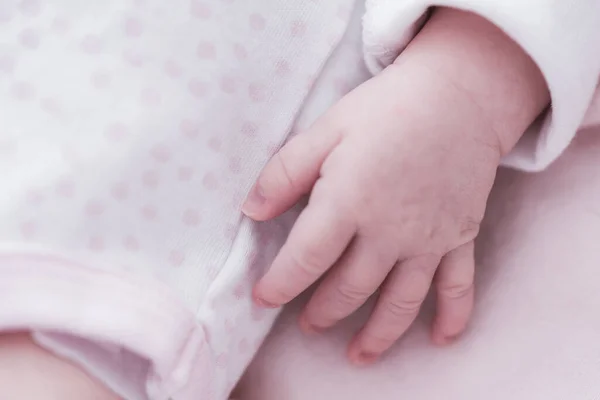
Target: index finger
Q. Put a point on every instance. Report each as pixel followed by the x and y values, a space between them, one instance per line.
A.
pixel 317 240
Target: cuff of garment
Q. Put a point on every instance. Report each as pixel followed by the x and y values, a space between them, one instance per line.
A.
pixel 560 36
pixel 65 303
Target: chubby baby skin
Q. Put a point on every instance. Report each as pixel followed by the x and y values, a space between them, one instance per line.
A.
pixel 398 174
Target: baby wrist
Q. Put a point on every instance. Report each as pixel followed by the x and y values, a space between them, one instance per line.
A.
pixel 484 66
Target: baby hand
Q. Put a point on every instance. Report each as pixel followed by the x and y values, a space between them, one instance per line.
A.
pixel 396 199
pixel 398 173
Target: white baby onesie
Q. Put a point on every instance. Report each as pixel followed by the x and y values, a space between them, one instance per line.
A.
pixel 131 131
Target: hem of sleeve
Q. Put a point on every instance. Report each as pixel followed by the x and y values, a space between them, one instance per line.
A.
pixel 571 84
pixel 56 295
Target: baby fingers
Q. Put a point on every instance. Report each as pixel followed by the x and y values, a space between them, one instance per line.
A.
pixel 355 277
pixel 396 309
pixel 290 174
pixel 455 293
pixel 318 238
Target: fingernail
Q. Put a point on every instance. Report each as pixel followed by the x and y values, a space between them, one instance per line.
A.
pixel 451 338
pixel 442 340
pixel 364 358
pixel 263 303
pixel 360 357
pixel 254 202
pixel 259 301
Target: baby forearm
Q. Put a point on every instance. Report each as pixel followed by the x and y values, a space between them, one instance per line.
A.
pixel 483 66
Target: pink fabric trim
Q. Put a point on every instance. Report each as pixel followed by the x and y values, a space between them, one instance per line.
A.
pixel 53 294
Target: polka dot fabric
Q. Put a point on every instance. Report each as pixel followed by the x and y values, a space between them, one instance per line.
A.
pixel 130 132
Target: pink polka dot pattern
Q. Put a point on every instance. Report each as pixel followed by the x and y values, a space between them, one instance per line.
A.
pixel 134 58
pixel 249 129
pixel 200 9
pixel 92 44
pixel 131 243
pixel 189 129
pixel 116 131
pixel 257 22
pixel 210 181
pixel 29 38
pixel 150 179
pixel 298 28
pixel 60 25
pixel 28 229
pixel 176 258
pixel 65 188
pixel 228 84
pixel 191 217
pixel 133 27
pixel 35 197
pixel 256 92
pixel 282 68
pixel 161 153
pixel 119 191
pixel 173 69
pixel 185 174
pixel 215 144
pixel 149 212
pixel 94 208
pixel 50 105
pixel 198 88
pixel 135 148
pixel 97 243
pixel 23 90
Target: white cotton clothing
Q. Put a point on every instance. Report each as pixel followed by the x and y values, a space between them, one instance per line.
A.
pixel 132 130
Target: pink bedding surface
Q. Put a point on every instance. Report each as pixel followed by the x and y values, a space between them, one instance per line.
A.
pixel 536 329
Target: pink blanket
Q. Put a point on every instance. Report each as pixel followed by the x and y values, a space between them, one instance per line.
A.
pixel 536 329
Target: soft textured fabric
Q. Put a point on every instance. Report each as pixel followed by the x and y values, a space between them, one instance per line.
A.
pixel 131 131
pixel 534 335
